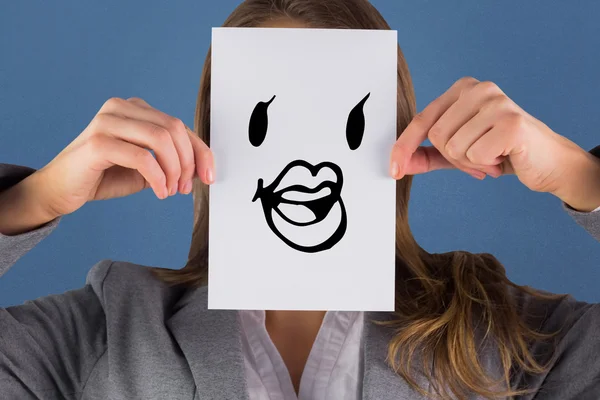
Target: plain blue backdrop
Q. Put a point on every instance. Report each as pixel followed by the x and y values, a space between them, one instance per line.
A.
pixel 59 61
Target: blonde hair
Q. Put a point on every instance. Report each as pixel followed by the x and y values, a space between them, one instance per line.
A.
pixel 442 300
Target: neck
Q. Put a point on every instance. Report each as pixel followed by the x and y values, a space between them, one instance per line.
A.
pixel 293 333
pixel 298 321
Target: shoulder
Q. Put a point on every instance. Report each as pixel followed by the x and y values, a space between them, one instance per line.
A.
pixel 120 283
pixel 551 312
pixel 572 356
pixel 113 271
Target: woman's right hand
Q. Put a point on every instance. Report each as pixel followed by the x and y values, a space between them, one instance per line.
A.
pixel 111 158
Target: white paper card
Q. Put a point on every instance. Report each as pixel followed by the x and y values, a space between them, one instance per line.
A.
pixel 302 213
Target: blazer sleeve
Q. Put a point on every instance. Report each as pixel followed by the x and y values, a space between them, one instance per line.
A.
pixel 14 247
pixel 48 346
pixel 589 221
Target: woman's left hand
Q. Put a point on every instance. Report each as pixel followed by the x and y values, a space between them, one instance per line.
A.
pixel 476 128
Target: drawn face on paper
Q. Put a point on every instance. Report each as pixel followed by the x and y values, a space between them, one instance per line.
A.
pixel 301 123
pixel 322 200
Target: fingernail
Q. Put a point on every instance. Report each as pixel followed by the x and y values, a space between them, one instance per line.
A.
pixel 478 175
pixel 475 173
pixel 494 174
pixel 394 169
pixel 187 187
pixel 173 190
pixel 164 193
pixel 209 175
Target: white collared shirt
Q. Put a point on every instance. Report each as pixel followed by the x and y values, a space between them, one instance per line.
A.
pixel 333 368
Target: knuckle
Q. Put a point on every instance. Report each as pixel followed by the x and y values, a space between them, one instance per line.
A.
pixel 187 169
pixel 175 125
pixel 419 121
pixel 466 85
pixel 176 172
pixel 187 156
pixel 160 134
pixel 99 122
pixel 467 81
pixel 435 134
pixel 113 103
pixel 474 156
pixel 497 103
pixel 515 122
pixel 419 118
pixel 206 153
pixel 96 144
pixel 187 160
pixel 488 88
pixel 398 149
pixel 452 149
pixel 144 159
pixel 397 146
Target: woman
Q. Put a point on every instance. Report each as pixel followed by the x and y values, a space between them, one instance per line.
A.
pixel 461 329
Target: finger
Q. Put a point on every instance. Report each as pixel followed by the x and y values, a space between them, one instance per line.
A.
pixel 181 139
pixel 474 129
pixel 119 182
pixel 147 135
pixel 468 134
pixel 418 129
pixel 468 104
pixel 428 158
pixel 502 140
pixel 107 151
pixel 205 166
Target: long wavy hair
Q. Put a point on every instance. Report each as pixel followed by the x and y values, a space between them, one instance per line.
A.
pixel 447 304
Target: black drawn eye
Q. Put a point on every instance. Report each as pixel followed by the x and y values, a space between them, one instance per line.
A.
pixel 259 122
pixel 355 128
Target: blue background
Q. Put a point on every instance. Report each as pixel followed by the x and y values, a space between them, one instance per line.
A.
pixel 61 60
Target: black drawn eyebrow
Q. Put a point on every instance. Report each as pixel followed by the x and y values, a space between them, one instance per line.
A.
pixel 259 123
pixel 355 127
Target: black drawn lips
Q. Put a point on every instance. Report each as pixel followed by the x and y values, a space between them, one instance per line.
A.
pixel 320 207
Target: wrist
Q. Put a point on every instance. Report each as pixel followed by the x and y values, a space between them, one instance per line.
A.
pixel 23 208
pixel 581 189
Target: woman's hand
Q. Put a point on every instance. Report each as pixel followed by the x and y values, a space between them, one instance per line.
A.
pixel 476 128
pixel 111 158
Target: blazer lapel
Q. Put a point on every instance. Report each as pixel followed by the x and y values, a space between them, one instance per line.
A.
pixel 211 343
pixel 380 382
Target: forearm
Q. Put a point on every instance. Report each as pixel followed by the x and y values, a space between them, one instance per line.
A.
pixel 22 209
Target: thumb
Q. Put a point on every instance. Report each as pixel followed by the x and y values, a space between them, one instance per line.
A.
pixel 424 159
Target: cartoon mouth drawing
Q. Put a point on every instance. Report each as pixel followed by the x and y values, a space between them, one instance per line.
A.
pixel 293 210
pixel 321 200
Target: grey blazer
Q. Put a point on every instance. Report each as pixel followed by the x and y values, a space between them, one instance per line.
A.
pixel 125 335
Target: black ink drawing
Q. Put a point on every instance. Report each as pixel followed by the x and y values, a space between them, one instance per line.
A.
pixel 355 127
pixel 320 207
pixel 259 123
